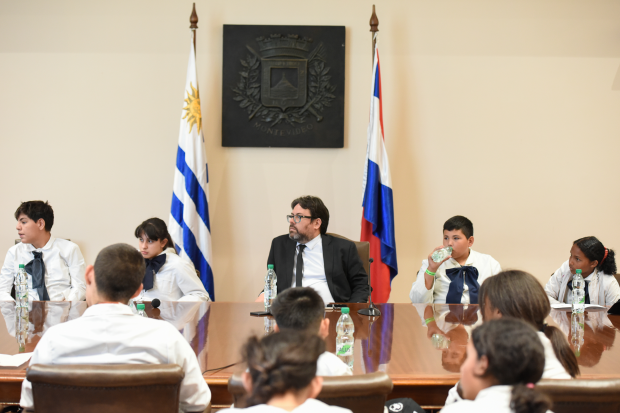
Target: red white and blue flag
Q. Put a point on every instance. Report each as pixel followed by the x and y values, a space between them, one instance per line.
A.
pixel 378 203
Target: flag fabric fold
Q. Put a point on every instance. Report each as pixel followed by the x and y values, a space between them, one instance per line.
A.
pixel 189 223
pixel 378 202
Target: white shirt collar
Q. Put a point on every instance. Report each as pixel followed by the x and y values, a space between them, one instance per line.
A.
pixel 107 309
pixel 313 243
pixel 470 259
pixel 47 246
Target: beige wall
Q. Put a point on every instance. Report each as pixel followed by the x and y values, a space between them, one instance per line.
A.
pixel 500 111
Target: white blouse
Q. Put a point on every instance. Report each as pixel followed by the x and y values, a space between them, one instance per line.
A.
pixel 176 280
pixel 494 399
pixel 309 406
pixel 603 288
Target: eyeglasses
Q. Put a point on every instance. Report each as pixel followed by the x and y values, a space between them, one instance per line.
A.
pixel 296 218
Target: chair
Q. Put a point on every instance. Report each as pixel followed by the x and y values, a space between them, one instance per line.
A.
pixel 363 250
pixel 572 396
pixel 361 394
pixel 131 388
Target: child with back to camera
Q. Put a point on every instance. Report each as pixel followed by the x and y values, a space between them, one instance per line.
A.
pixel 281 374
pixel 597 265
pixel 504 360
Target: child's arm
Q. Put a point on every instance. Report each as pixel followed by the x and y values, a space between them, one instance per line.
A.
pixel 190 285
pixel 553 286
pixel 419 293
pixel 77 268
pixel 6 277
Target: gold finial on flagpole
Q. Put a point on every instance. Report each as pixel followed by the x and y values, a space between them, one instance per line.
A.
pixel 193 19
pixel 374 28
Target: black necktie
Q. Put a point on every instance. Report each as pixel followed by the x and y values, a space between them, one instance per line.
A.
pixel 585 290
pixel 300 266
pixel 467 274
pixel 152 267
pixel 36 269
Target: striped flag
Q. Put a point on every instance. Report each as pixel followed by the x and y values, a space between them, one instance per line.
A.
pixel 189 222
pixel 378 203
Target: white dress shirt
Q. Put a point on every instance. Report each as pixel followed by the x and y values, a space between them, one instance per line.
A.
pixel 176 280
pixel 329 364
pixel 606 292
pixel 112 334
pixel 314 269
pixel 494 399
pixel 486 265
pixel 64 270
pixel 309 406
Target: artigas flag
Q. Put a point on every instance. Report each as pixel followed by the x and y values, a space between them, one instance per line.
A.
pixel 378 203
pixel 189 222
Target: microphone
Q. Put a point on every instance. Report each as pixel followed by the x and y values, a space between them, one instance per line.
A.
pixel 371 311
pixel 155 303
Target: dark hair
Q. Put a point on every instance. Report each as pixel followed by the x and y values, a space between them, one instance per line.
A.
pixel 155 229
pixel 515 357
pixel 36 210
pixel 595 251
pixel 460 222
pixel 518 294
pixel 299 309
pixel 119 270
pixel 316 207
pixel 280 362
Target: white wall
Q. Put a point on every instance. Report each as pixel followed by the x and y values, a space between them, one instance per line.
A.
pixel 500 111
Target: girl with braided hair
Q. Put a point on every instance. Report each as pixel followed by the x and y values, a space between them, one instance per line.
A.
pixel 281 374
pixel 597 265
pixel 504 360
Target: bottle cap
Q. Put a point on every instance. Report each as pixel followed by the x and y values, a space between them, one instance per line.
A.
pixel 140 306
pixel 578 271
pixel 270 267
pixel 21 265
pixel 345 310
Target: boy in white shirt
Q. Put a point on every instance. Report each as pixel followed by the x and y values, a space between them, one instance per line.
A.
pixel 457 278
pixel 55 266
pixel 301 309
pixel 109 333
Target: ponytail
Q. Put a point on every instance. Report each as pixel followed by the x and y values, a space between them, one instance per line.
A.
pixel 562 350
pixel 608 265
pixel 527 400
pixel 279 363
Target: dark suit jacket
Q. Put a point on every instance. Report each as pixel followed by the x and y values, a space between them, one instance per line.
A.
pixel 346 278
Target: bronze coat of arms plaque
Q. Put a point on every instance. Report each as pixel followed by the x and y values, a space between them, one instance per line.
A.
pixel 283 86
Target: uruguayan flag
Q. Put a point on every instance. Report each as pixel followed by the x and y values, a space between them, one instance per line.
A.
pixel 189 222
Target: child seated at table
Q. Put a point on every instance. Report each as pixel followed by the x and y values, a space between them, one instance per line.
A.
pixel 55 266
pixel 457 278
pixel 168 276
pixel 281 374
pixel 302 310
pixel 504 360
pixel 597 265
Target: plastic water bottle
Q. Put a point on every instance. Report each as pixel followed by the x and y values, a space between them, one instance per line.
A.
pixel 579 295
pixel 270 324
pixel 141 311
pixel 22 325
pixel 440 255
pixel 271 287
pixel 344 338
pixel 577 332
pixel 21 288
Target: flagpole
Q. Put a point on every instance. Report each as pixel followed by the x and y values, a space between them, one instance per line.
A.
pixel 374 28
pixel 193 19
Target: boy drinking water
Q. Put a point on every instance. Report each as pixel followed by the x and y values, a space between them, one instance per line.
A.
pixel 457 278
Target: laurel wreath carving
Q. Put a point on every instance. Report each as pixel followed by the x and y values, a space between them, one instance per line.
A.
pixel 320 91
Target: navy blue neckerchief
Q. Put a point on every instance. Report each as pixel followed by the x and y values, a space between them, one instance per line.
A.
pixel 36 269
pixel 467 274
pixel 585 289
pixel 152 267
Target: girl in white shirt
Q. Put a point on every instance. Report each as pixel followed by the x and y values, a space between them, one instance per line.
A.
pixel 504 360
pixel 168 277
pixel 281 374
pixel 597 265
pixel 518 294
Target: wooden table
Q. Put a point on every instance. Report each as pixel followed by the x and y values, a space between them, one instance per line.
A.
pixel 422 361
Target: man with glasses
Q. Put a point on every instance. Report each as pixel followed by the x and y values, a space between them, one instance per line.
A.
pixel 308 257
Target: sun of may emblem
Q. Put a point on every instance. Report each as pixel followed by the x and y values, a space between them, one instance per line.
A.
pixel 193 109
